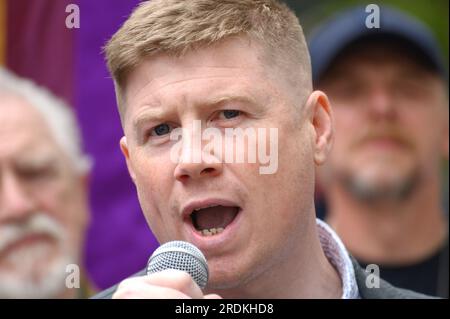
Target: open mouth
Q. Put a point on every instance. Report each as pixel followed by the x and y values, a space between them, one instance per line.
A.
pixel 212 220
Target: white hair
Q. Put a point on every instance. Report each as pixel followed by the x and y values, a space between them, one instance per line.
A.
pixel 58 115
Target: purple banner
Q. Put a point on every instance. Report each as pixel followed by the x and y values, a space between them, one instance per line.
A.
pixel 119 240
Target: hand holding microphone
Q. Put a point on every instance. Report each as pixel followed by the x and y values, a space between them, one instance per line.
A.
pixel 176 270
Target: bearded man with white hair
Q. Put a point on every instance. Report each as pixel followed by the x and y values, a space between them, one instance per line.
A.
pixel 43 193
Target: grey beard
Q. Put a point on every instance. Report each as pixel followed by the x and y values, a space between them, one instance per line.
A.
pixel 51 285
pixel 370 193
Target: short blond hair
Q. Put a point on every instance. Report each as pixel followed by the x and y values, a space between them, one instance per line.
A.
pixel 178 26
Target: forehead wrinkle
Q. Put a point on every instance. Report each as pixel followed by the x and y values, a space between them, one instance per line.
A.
pixel 27 131
pixel 150 99
pixel 150 79
pixel 162 86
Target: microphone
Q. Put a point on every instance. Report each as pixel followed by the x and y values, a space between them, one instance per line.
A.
pixel 183 256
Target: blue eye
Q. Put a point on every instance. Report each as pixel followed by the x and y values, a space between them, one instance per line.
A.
pixel 228 114
pixel 161 130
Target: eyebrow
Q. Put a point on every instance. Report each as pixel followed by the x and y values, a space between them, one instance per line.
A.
pixel 229 98
pixel 145 116
pixel 37 161
pixel 155 112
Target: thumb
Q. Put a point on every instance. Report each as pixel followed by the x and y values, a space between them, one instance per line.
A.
pixel 212 296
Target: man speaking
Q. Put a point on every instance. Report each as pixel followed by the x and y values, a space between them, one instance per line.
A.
pixel 229 66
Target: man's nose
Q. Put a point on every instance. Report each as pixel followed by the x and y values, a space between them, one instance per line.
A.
pixel 15 202
pixel 196 162
pixel 381 105
pixel 186 171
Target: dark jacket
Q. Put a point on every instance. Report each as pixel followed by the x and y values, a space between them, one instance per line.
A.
pixel 385 291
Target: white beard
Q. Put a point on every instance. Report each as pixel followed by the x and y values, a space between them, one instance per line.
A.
pixel 25 280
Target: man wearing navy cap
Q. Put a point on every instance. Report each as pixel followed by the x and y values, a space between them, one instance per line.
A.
pixel 388 88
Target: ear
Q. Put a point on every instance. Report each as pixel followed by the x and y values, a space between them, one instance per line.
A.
pixel 321 117
pixel 125 152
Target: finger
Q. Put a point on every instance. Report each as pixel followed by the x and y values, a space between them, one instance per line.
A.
pixel 212 296
pixel 143 290
pixel 178 280
pixel 170 278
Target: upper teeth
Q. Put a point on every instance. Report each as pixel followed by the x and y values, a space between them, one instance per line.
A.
pixel 197 209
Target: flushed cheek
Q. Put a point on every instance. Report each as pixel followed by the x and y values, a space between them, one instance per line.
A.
pixel 150 210
pixel 154 188
pixel 56 202
pixel 344 138
pixel 70 211
pixel 148 190
pixel 273 196
pixel 295 180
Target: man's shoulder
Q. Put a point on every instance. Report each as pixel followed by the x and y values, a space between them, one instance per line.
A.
pixel 108 293
pixel 384 290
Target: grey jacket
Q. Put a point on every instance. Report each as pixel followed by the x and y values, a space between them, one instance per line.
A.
pixel 385 291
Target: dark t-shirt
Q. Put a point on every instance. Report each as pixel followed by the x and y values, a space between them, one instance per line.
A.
pixel 429 276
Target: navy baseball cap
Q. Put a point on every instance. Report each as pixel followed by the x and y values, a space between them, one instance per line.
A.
pixel 328 40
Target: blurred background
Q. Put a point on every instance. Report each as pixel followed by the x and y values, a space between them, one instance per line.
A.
pixel 35 43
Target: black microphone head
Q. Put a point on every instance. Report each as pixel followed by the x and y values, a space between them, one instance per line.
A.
pixel 180 255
